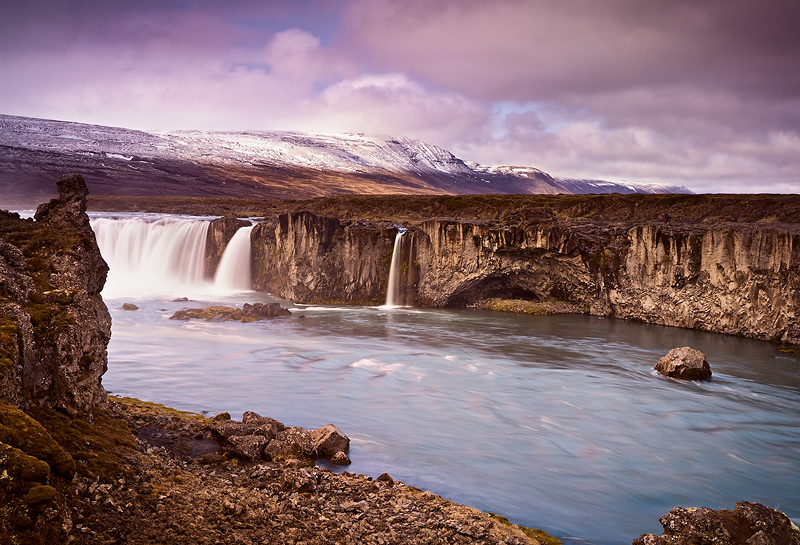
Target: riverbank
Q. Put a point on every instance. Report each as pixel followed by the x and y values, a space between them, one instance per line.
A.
pixel 137 480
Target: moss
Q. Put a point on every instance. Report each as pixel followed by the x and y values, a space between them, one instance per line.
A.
pixel 146 408
pixel 101 446
pixel 15 464
pixel 540 535
pixel 9 342
pixel 523 306
pixel 535 533
pixel 20 430
pixel 48 321
pixel 40 494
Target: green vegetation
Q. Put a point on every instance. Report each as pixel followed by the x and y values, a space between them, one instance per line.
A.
pixel 523 306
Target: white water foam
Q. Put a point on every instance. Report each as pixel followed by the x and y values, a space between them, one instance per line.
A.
pixel 233 273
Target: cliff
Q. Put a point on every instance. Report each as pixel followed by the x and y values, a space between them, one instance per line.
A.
pixel 735 278
pixel 54 325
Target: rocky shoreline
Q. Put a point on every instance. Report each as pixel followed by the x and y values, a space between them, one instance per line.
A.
pixel 79 467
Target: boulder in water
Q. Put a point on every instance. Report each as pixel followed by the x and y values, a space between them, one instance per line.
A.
pixel 129 306
pixel 329 440
pixel 684 363
pixel 747 524
pixel 248 313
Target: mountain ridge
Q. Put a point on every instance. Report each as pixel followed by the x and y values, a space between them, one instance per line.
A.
pixel 257 164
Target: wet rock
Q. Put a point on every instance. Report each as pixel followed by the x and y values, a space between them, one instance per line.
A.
pixel 291 443
pixel 684 363
pixel 129 306
pixel 217 313
pixel 747 524
pixel 340 459
pixel 330 440
pixel 385 478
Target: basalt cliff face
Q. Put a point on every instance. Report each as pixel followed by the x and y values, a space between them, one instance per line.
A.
pixel 741 279
pixel 313 259
pixel 54 326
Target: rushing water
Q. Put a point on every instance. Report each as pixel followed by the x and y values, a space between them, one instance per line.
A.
pixel 557 422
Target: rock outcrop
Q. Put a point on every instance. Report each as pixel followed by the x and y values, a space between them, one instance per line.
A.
pixel 54 326
pixel 747 524
pixel 314 259
pixel 684 363
pixel 248 313
pixel 741 279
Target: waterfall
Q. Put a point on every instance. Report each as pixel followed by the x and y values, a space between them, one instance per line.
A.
pixel 393 290
pixel 152 257
pixel 233 272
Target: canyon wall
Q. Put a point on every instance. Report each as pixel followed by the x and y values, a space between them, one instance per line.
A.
pixel 54 326
pixel 741 279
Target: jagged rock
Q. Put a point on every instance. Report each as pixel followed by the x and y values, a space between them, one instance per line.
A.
pixel 747 524
pixel 340 459
pixel 58 326
pixel 329 440
pixel 684 363
pixel 291 443
pixel 262 425
pixel 230 428
pixel 249 447
pixel 736 279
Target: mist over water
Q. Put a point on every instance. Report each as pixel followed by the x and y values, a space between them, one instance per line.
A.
pixel 557 422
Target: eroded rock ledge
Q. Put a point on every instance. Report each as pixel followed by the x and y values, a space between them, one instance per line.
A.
pixel 741 279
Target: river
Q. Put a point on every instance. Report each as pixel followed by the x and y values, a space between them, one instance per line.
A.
pixel 556 422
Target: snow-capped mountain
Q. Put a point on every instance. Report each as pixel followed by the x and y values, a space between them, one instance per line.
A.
pixel 34 152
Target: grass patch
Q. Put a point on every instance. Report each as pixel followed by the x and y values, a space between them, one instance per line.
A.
pixel 523 306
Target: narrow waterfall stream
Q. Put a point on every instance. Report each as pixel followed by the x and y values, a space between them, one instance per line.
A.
pixel 233 272
pixel 393 290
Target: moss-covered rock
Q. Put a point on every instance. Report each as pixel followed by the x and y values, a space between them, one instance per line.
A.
pixel 20 430
pixel 16 465
pixel 40 494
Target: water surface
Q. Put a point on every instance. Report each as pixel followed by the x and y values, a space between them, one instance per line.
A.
pixel 554 422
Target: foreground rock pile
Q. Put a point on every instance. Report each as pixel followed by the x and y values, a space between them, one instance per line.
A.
pixel 159 489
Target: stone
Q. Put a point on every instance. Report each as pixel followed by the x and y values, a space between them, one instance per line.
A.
pixel 329 440
pixel 385 478
pixel 291 443
pixel 340 459
pixel 129 306
pixel 249 447
pixel 262 425
pixel 226 429
pixel 684 363
pixel 747 524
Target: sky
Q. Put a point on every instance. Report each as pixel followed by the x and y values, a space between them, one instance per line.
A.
pixel 701 93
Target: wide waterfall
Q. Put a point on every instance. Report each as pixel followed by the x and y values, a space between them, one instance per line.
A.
pixel 393 290
pixel 233 272
pixel 167 256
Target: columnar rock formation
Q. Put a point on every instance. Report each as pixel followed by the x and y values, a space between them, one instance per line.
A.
pixel 54 326
pixel 739 279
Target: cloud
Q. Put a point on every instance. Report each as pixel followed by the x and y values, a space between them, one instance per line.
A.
pixel 702 93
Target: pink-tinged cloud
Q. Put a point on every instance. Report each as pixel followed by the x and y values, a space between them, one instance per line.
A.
pixel 706 94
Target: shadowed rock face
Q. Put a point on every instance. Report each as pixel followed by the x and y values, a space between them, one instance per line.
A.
pixel 55 324
pixel 741 279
